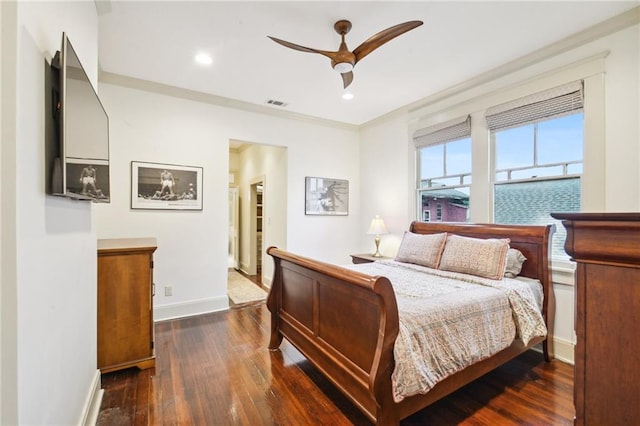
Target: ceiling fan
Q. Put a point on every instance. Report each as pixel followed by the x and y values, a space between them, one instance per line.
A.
pixel 344 60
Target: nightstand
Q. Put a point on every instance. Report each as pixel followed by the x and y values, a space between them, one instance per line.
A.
pixel 366 258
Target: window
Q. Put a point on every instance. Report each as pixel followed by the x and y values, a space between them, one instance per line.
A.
pixel 538 153
pixel 444 170
pixel 548 148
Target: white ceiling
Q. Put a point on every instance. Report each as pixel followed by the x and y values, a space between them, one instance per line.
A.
pixel 157 41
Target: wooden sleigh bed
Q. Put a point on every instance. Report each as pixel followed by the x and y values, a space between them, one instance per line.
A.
pixel 346 323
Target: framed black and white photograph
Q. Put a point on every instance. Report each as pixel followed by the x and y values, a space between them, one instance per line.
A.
pixel 165 186
pixel 325 196
pixel 88 179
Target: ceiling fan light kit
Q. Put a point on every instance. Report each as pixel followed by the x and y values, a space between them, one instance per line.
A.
pixel 343 67
pixel 343 60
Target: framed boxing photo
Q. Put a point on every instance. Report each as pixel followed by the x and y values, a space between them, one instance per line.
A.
pixel 165 186
pixel 88 179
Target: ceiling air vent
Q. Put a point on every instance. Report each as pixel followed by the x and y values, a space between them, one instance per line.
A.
pixel 276 103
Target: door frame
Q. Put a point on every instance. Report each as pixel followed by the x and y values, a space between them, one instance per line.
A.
pixel 234 227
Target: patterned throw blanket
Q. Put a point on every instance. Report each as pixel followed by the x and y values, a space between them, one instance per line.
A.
pixel 449 321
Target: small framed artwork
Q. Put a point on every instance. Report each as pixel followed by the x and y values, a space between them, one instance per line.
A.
pixel 88 179
pixel 325 196
pixel 165 186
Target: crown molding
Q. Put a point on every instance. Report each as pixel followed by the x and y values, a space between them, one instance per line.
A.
pixel 600 30
pixel 192 95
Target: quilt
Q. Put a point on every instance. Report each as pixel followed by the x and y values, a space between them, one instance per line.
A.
pixel 449 321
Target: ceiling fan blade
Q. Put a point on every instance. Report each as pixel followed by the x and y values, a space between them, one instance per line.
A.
pixel 294 46
pixel 377 40
pixel 347 78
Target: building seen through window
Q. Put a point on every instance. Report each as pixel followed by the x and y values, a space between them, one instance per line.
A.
pixel 445 171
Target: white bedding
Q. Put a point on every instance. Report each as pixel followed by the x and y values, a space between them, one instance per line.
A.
pixel 449 320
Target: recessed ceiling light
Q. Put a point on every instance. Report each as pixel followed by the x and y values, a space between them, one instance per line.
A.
pixel 347 96
pixel 204 59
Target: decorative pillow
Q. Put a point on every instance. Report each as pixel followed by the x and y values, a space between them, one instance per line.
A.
pixel 421 249
pixel 515 260
pixel 476 256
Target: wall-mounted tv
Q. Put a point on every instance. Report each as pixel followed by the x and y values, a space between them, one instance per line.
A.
pixel 79 158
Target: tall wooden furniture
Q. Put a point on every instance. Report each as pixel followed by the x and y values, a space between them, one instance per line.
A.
pixel 606 247
pixel 125 303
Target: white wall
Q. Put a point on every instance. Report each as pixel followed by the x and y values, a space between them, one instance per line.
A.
pixel 192 245
pixel 612 147
pixel 331 153
pixel 8 314
pixel 192 250
pixel 622 112
pixel 48 243
pixel 8 339
pixel 269 164
pixel 234 165
pixel 386 169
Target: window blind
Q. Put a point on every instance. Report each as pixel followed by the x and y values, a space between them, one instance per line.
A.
pixel 442 132
pixel 552 103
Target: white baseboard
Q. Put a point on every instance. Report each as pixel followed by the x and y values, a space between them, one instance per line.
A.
pixel 190 308
pixel 266 282
pixel 563 350
pixel 91 408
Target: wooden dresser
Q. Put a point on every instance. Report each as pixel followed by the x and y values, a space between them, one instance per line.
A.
pixel 606 247
pixel 125 303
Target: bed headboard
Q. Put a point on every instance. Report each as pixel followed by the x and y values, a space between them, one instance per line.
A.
pixel 534 241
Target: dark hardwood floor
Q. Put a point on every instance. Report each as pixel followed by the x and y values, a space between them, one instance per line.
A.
pixel 215 369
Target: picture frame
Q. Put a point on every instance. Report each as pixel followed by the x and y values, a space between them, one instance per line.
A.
pixel 88 179
pixel 158 186
pixel 326 196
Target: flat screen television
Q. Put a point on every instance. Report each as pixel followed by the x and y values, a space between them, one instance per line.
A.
pixel 79 157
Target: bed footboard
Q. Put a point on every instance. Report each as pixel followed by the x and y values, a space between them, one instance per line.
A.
pixel 344 322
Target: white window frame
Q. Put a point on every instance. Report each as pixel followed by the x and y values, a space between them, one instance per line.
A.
pixel 440 134
pixel 477 98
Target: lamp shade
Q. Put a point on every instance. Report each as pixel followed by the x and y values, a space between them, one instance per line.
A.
pixel 377 227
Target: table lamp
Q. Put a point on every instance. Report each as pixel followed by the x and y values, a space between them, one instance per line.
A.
pixel 377 228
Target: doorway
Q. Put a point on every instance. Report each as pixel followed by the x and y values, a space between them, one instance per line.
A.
pixel 260 174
